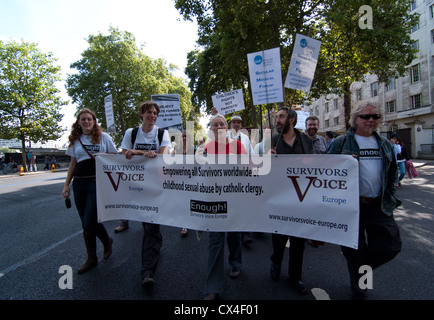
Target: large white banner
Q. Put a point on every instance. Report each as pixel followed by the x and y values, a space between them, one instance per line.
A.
pixel 229 102
pixel 265 76
pixel 309 196
pixel 303 63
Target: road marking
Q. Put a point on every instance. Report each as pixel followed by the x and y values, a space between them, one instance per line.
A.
pixel 37 255
pixel 320 294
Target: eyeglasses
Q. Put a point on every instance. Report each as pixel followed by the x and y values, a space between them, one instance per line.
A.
pixel 369 116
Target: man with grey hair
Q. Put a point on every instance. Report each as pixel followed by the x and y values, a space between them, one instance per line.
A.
pixel 379 238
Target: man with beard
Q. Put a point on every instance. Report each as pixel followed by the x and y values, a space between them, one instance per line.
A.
pixel 289 141
pixel 319 142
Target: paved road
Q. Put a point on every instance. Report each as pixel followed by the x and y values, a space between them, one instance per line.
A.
pixel 39 235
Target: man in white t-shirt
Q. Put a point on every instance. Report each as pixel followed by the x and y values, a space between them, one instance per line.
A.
pixel 379 238
pixel 147 140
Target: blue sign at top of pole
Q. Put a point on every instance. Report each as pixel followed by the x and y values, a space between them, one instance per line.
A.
pixel 303 63
pixel 266 76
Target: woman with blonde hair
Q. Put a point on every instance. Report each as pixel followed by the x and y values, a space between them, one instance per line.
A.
pixel 221 144
pixel 86 140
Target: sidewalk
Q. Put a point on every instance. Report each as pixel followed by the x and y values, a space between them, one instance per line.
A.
pixel 40 167
pixel 64 167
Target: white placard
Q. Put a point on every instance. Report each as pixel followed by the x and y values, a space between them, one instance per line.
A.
pixel 229 102
pixel 303 63
pixel 109 117
pixel 301 119
pixel 170 110
pixel 266 76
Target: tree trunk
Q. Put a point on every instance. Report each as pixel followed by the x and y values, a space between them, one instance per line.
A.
pixel 347 105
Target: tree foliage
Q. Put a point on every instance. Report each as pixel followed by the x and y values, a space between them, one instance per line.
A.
pixel 229 30
pixel 115 64
pixel 29 105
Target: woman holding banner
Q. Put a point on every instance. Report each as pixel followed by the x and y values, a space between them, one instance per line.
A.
pixel 214 278
pixel 85 140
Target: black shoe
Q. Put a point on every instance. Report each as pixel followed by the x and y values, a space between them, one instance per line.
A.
pixel 299 287
pixel 148 282
pixel 275 271
pixel 359 294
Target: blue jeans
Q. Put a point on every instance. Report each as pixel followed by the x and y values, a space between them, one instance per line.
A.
pixel 85 201
pixel 401 167
pixel 216 245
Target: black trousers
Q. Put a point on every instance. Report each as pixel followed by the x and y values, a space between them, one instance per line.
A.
pixel 296 251
pixel 151 246
pixel 379 242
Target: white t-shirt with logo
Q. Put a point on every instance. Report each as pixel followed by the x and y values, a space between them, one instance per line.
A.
pixel 145 140
pixel 370 167
pixel 77 151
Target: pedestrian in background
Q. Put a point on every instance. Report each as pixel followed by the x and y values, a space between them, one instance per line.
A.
pixel 86 140
pixel 401 159
pixel 47 162
pixel 319 142
pixel 379 237
pixel 32 164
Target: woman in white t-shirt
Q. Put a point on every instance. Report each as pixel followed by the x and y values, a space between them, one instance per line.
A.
pixel 85 140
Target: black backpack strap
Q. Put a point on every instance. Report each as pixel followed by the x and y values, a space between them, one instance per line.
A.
pixel 160 135
pixel 133 136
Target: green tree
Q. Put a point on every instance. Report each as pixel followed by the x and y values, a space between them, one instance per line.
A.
pixel 115 64
pixel 229 30
pixel 29 105
pixel 349 50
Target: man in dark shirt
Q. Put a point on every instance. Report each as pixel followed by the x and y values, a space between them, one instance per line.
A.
pixel 289 141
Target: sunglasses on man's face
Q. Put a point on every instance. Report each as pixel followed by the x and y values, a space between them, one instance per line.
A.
pixel 368 116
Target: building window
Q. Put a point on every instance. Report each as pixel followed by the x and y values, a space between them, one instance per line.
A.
pixel 416 101
pixel 390 84
pixel 416 27
pixel 412 5
pixel 316 111
pixel 374 89
pixel 359 94
pixel 391 106
pixel 415 73
pixel 431 11
pixel 415 45
pixel 336 121
pixel 335 104
pixel 326 107
pixel 327 123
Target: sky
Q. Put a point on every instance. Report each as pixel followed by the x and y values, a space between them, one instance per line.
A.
pixel 62 27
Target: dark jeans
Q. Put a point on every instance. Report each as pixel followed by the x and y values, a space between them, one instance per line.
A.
pixel 296 250
pixel 151 245
pixel 85 201
pixel 379 242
